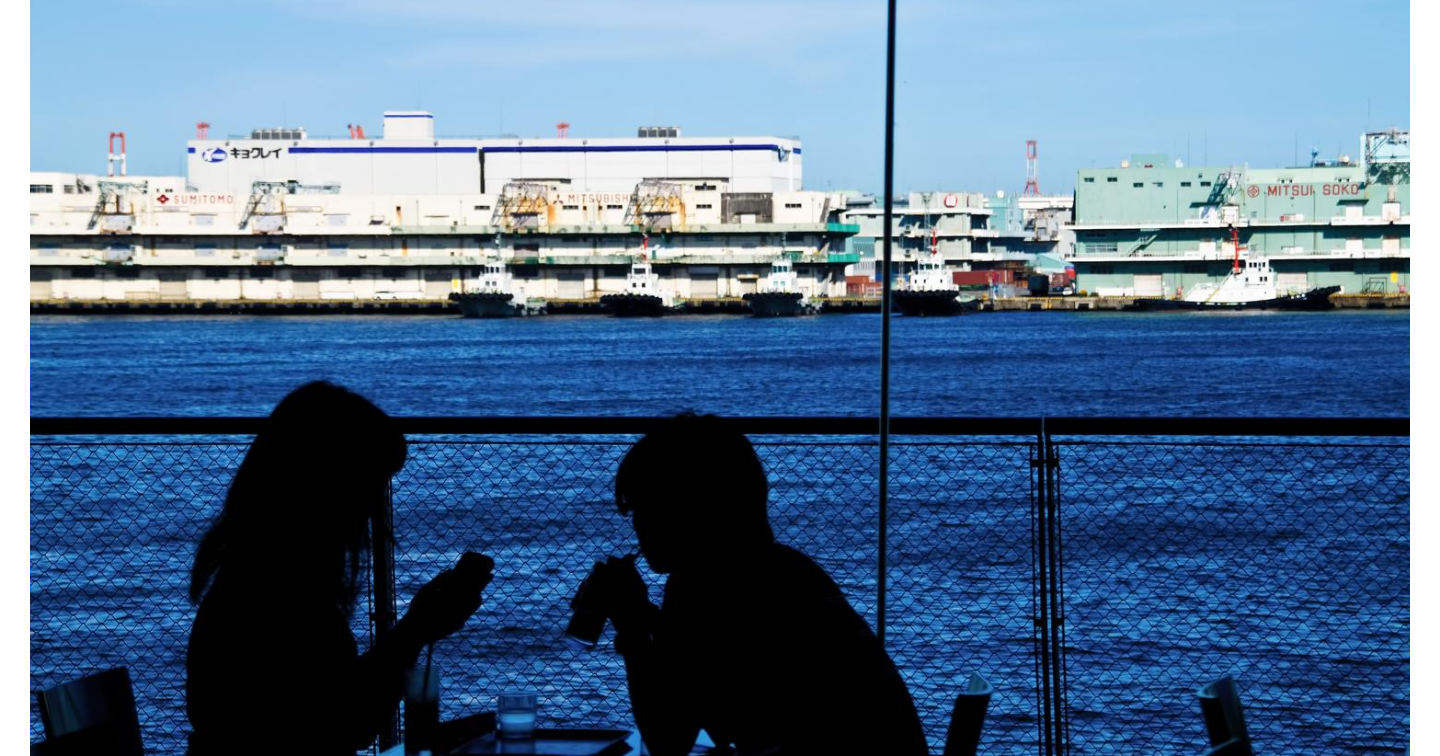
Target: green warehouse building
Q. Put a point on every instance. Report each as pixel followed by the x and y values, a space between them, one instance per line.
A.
pixel 1151 228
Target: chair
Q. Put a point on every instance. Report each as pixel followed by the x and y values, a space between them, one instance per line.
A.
pixel 1224 719
pixel 97 709
pixel 967 718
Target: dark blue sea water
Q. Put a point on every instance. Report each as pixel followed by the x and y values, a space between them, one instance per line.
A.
pixel 1050 363
pixel 1283 564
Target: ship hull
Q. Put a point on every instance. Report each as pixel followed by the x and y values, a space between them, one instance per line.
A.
pixel 1315 299
pixel 633 305
pixel 486 305
pixel 926 303
pixel 776 304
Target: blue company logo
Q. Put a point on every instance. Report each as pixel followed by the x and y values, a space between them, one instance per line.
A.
pixel 213 155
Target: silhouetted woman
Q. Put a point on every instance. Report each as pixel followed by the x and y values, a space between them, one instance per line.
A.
pixel 272 662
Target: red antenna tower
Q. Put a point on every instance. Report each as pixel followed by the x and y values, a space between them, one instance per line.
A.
pixel 1032 169
pixel 562 130
pixel 113 157
pixel 202 130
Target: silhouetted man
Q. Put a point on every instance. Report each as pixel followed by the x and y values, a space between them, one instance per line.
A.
pixel 754 643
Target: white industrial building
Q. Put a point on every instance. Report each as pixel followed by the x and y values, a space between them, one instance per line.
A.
pixel 283 217
pixel 408 159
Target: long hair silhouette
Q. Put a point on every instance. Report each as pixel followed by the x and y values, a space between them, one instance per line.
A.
pixel 298 508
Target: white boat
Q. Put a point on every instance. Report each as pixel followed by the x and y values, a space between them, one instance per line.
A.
pixel 1250 285
pixel 493 296
pixel 781 296
pixel 643 296
pixel 930 290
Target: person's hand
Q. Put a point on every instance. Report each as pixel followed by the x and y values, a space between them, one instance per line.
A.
pixel 620 591
pixel 442 605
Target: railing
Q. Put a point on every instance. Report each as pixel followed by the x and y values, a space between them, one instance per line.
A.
pixel 1097 248
pixel 1094 570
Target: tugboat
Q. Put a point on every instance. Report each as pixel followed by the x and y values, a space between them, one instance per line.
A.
pixel 781 297
pixel 1250 286
pixel 931 290
pixel 642 296
pixel 494 298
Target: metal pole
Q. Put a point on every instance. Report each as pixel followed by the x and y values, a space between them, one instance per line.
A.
pixel 1062 682
pixel 1042 559
pixel 382 581
pixel 1037 643
pixel 1057 674
pixel 885 316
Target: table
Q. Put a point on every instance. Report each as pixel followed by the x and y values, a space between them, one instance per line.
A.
pixel 702 745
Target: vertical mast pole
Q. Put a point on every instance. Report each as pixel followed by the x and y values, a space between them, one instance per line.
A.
pixel 885 316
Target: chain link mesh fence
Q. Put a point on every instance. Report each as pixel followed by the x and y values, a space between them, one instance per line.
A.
pixel 113 528
pixel 959 571
pixel 1286 565
pixel 1179 562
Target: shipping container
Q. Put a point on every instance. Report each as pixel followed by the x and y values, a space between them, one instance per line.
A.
pixel 1039 285
pixel 977 277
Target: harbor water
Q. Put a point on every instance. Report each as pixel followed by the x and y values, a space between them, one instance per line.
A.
pixel 1307 602
pixel 1016 364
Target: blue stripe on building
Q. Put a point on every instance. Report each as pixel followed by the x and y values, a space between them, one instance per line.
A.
pixel 392 150
pixel 542 148
pixel 643 148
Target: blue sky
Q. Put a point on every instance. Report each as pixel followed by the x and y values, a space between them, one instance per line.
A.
pixel 1238 81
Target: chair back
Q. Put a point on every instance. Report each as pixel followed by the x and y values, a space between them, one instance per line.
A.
pixel 968 717
pixel 1224 719
pixel 101 705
